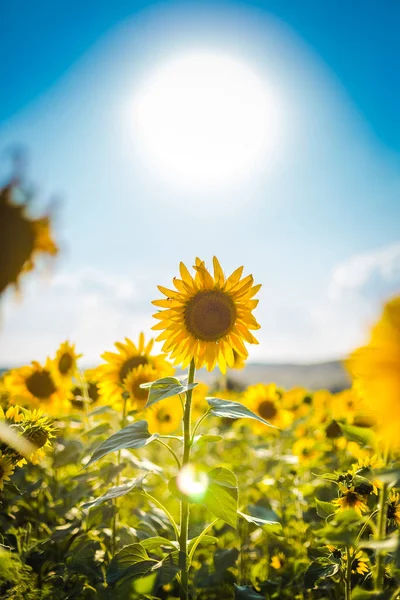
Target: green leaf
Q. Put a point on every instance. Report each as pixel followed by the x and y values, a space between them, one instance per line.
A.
pixel 270 526
pixel 224 559
pixel 361 435
pixel 317 570
pixel 221 497
pixel 324 509
pixel 206 438
pixel 233 410
pixel 133 436
pixel 157 541
pixel 206 540
pixel 165 388
pixel 131 561
pixel 244 592
pixel 390 544
pixel 360 594
pixel 116 492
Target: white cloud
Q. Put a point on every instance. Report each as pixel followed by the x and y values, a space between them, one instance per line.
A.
pixel 378 271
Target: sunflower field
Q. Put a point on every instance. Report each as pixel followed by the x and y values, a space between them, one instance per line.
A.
pixel 132 481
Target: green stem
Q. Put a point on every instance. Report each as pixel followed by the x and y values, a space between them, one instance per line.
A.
pixel 171 451
pixel 114 524
pixel 381 529
pixel 348 574
pixel 184 532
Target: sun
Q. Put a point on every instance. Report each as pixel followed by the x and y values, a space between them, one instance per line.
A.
pixel 206 118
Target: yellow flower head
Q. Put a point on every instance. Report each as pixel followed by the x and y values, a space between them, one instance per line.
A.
pixel 376 371
pixel 21 238
pixel 365 466
pixel 164 417
pixel 36 385
pixel 277 560
pixel 6 469
pixel 359 562
pixel 65 362
pixel 112 375
pixel 350 499
pixel 207 316
pixel 265 401
pixel 133 381
pixel 393 510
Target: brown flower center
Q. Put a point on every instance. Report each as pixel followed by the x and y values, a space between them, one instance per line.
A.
pixel 210 315
pixel 163 417
pixel 40 384
pixel 65 363
pixel 267 410
pixel 130 364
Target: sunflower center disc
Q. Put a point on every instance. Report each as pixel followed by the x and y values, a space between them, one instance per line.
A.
pixel 40 384
pixel 267 409
pixel 138 392
pixel 132 363
pixel 65 363
pixel 210 315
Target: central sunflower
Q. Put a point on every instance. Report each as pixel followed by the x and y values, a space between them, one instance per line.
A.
pixel 207 317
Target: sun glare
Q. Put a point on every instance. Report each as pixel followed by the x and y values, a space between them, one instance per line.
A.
pixel 206 118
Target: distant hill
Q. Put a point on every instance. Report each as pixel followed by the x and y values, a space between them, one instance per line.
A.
pixel 327 375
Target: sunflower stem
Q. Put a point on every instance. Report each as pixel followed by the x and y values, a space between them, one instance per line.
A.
pixel 348 574
pixel 184 531
pixel 381 529
pixel 115 517
pixel 170 450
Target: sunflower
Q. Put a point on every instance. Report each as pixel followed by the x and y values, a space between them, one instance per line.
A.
pixel 376 372
pixel 277 561
pixel 164 417
pixel 137 395
pixel 307 450
pixel 348 406
pixel 111 376
pixel 207 317
pixel 36 385
pixel 65 362
pixel 359 563
pixel 21 238
pixel 6 469
pixel 350 499
pixel 393 511
pixel 265 401
pixel 365 466
pixel 34 426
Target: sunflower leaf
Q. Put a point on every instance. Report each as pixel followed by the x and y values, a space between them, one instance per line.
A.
pixel 133 436
pixel 221 497
pixel 233 410
pixel 165 388
pixel 361 435
pixel 270 526
pixel 130 562
pixel 324 509
pixel 116 492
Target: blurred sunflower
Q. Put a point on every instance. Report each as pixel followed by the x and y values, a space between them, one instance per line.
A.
pixel 359 563
pixel 393 510
pixel 137 395
pixel 348 406
pixel 21 238
pixel 307 449
pixel 35 385
pixel 365 467
pixel 112 375
pixel 6 469
pixel 265 401
pixel 164 417
pixel 376 372
pixel 65 362
pixel 87 384
pixel 207 317
pixel 277 561
pixel 350 499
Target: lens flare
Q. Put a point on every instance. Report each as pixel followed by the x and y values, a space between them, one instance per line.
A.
pixel 192 482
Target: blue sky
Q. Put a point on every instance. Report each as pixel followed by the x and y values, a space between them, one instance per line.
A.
pixel 319 229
